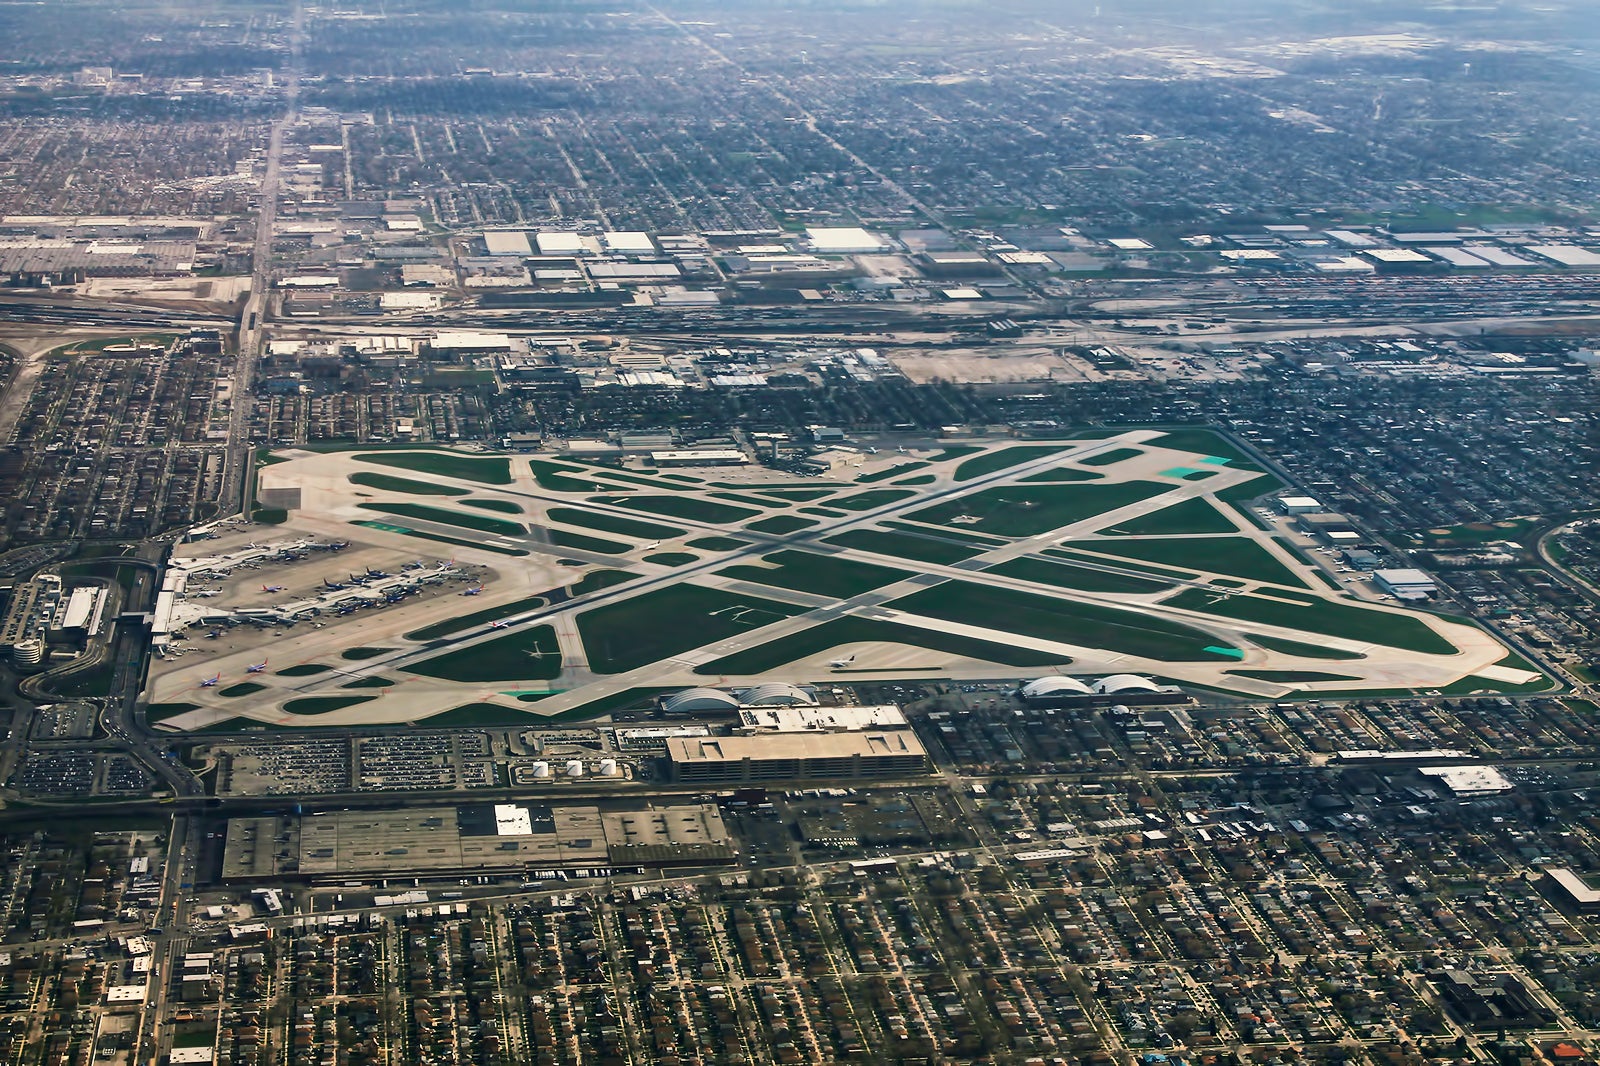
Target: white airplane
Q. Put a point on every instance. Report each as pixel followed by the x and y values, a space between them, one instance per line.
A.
pixel 211 682
pixel 500 624
pixel 257 668
pixel 839 664
pixel 652 544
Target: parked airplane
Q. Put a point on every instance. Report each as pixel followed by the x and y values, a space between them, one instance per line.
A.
pixel 375 573
pixel 333 586
pixel 211 682
pixel 257 668
pixel 839 664
pixel 500 624
pixel 273 588
pixel 473 591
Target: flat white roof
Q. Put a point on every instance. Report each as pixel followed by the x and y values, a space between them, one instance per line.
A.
pixel 1129 244
pixel 1397 255
pixel 1403 576
pixel 1579 889
pixel 628 241
pixel 507 242
pixel 1469 780
pixel 843 239
pixel 511 820
pixel 497 341
pixel 1566 254
pixel 559 242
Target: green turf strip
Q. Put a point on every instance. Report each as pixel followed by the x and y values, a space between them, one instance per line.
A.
pixel 1028 510
pixel 685 507
pixel 866 501
pixel 476 618
pixel 1067 576
pixel 1236 556
pixel 1406 632
pixel 1189 516
pixel 841 631
pixel 824 575
pixel 609 523
pixel 903 546
pixel 422 512
pixel 1059 619
pixel 779 524
pixel 565 539
pixel 529 653
pixel 657 625
pixel 1002 458
pixel 389 483
pixel 488 471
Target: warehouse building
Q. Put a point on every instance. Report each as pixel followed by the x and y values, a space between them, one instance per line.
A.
pixel 1405 584
pixel 797 756
pixel 476 839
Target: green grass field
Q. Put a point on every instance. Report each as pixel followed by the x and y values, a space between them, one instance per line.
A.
pixel 476 618
pixel 369 682
pixel 1189 516
pixel 718 544
pixel 781 523
pixel 893 471
pixel 657 625
pixel 1406 632
pixel 686 507
pixel 160 712
pixel 470 715
pixel 1111 458
pixel 495 471
pixel 1290 677
pixel 358 654
pixel 559 477
pixel 903 546
pixel 389 483
pixel 751 501
pixel 920 479
pixel 841 631
pixel 1001 458
pixel 943 533
pixel 1236 556
pixel 796 495
pixel 1060 619
pixel 440 538
pixel 596 580
pixel 866 501
pixel 824 575
pixel 243 688
pixel 1063 473
pixel 1028 510
pixel 422 512
pixel 1202 442
pixel 1303 651
pixel 608 523
pixel 303 670
pixel 1082 579
pixel 502 506
pixel 566 539
pixel 531 654
pixel 324 704
pixel 672 558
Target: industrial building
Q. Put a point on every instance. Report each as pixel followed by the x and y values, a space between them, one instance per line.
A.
pixel 701 457
pixel 495 839
pixel 1572 890
pixel 797 756
pixel 1405 583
